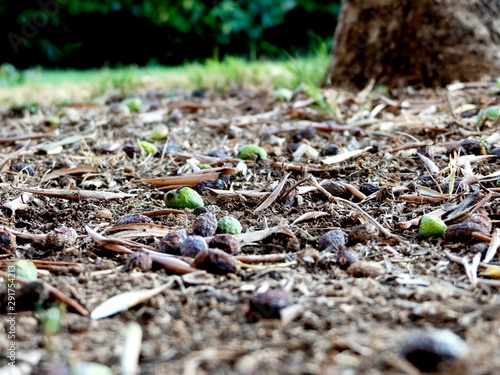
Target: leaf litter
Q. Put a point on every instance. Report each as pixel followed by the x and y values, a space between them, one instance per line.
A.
pixel 395 163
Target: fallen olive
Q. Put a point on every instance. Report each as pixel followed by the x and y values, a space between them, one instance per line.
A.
pixel 346 257
pixel 159 132
pixel 249 152
pixel 431 225
pixel 216 261
pixel 132 219
pixel 225 242
pixel 61 238
pixel 22 268
pixel 171 243
pixel 192 245
pixel 229 224
pixel 205 225
pixel 267 304
pixel 363 233
pixel 140 261
pixel 8 243
pixel 183 198
pixel 133 104
pixel 335 238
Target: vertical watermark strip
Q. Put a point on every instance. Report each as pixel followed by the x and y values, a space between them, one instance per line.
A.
pixel 12 314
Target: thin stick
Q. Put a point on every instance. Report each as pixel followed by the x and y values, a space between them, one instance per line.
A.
pixel 266 258
pixel 354 206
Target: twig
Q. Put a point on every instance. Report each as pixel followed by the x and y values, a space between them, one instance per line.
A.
pixel 269 200
pixel 266 258
pixel 354 206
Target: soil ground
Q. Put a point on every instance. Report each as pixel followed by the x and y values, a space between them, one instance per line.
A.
pixel 348 323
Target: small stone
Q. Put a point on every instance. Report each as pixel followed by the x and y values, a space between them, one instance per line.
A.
pixel 216 261
pixel 267 305
pixel 479 247
pixel 335 238
pixel 171 243
pixel 23 167
pixel 225 242
pixel 346 257
pixel 132 219
pixel 302 134
pixel 363 268
pixel 329 150
pixel 140 261
pixel 61 238
pixel 434 351
pixel 203 186
pixel 369 189
pixel 192 245
pixel 8 243
pixel 363 233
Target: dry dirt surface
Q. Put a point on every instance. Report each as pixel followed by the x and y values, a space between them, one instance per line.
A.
pixel 328 318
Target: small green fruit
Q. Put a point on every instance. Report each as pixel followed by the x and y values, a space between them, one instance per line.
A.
pixel 183 198
pixel 22 268
pixel 204 166
pixel 491 113
pixel 148 147
pixel 134 104
pixel 431 225
pixel 229 224
pixel 247 152
pixel 283 94
pixel 51 320
pixel 159 132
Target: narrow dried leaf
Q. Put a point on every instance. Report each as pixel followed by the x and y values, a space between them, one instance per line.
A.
pixel 155 116
pixel 273 195
pixel 124 301
pixel 190 179
pixel 433 168
pixel 79 194
pixel 53 147
pixel 81 169
pixel 345 156
pixel 129 360
pixel 494 244
pixel 20 203
pixel 309 216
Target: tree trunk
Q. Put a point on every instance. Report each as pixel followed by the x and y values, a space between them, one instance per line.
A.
pixel 424 42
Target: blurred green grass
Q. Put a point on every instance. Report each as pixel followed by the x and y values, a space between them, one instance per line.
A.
pixel 48 86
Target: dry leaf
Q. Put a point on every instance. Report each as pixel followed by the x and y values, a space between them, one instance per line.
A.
pixel 126 300
pixel 491 271
pixel 494 244
pixel 344 156
pixel 81 169
pixel 190 179
pixel 309 216
pixel 79 194
pixel 273 195
pixel 20 203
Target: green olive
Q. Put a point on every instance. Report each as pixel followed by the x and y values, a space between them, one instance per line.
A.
pixel 431 225
pixel 183 198
pixel 248 152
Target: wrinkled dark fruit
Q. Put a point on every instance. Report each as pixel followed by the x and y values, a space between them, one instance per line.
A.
pixel 267 305
pixel 23 167
pixel 363 233
pixel 481 221
pixel 171 243
pixel 132 219
pixel 369 189
pixel 205 225
pixel 430 351
pixel 462 232
pixel 473 146
pixel 291 197
pixel 335 238
pixel 131 149
pixel 201 187
pixel 140 261
pixel 307 133
pixel 455 150
pixel 8 243
pixel 199 210
pixel 61 238
pixel 225 242
pixel 346 257
pixel 336 189
pixel 329 150
pixel 192 245
pixel 479 247
pixel 216 261
pixel 426 151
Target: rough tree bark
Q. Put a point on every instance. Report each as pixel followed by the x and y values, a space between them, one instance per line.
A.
pixel 424 42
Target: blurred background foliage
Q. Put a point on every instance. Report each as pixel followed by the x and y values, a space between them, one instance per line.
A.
pixel 90 33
